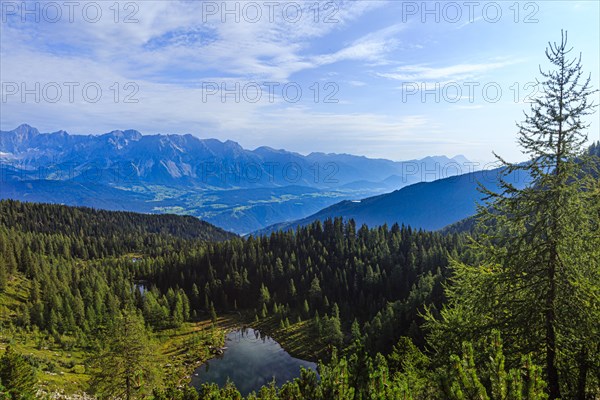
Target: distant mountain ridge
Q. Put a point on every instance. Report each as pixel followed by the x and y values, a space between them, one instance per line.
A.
pixel 426 205
pixel 207 163
pixel 238 189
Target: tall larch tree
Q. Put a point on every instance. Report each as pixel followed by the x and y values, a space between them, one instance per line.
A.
pixel 539 278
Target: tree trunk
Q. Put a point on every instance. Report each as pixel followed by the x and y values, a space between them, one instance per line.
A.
pixel 551 370
pixel 582 378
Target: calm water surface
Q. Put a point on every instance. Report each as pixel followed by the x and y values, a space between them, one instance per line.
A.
pixel 250 361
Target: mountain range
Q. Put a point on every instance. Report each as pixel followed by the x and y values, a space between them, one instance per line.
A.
pixel 221 182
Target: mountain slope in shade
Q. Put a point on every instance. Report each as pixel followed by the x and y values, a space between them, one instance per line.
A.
pixel 427 205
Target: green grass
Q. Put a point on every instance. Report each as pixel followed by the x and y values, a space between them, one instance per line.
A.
pixel 299 339
pixel 57 369
pixel 15 294
pixel 182 350
pixel 186 348
pixel 172 210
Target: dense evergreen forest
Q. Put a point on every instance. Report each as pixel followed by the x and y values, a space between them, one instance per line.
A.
pixel 505 305
pixel 379 277
pixel 82 273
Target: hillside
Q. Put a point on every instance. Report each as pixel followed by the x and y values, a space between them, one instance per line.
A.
pixel 426 205
pixel 83 222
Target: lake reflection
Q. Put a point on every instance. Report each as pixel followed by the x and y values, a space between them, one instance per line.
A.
pixel 250 361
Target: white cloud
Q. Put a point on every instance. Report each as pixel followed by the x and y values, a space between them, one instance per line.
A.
pixel 184 39
pixel 423 73
pixel 371 47
pixel 357 83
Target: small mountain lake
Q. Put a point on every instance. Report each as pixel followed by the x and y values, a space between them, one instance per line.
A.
pixel 250 361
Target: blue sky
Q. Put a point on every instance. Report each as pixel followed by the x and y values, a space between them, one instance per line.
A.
pixel 361 66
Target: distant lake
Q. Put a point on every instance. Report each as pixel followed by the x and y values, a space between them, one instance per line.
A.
pixel 141 286
pixel 250 361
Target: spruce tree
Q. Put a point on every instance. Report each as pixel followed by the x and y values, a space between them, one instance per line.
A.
pixel 16 375
pixel 126 367
pixel 540 275
pixel 3 274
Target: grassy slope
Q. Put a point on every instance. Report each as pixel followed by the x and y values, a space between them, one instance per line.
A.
pixel 57 368
pixel 61 370
pixel 299 339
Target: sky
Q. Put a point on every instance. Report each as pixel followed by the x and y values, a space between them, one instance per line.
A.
pixel 386 79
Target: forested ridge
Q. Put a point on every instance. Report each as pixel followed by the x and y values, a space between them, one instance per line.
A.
pixel 88 222
pixel 379 277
